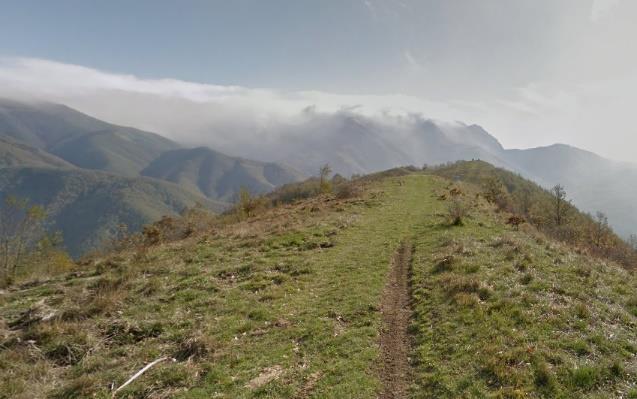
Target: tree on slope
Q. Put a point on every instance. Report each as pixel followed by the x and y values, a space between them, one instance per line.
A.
pixel 324 175
pixel 632 241
pixel 601 230
pixel 21 227
pixel 560 204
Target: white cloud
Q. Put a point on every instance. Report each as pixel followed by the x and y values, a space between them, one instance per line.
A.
pixel 594 116
pixel 56 81
pixel 601 8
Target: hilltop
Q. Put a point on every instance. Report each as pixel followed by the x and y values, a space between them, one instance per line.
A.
pixel 369 292
pixel 357 144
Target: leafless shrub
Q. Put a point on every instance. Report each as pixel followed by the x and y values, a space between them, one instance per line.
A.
pixel 457 211
pixel 515 221
pixel 347 190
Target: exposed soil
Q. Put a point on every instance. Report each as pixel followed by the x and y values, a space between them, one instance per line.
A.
pixel 267 375
pixel 395 343
pixel 309 385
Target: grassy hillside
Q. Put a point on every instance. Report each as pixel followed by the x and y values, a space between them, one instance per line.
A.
pixel 88 206
pixel 42 125
pixel 217 175
pixel 303 300
pixel 120 150
pixel 512 314
pixel 83 141
pixel 15 154
pixel 536 205
pixel 595 183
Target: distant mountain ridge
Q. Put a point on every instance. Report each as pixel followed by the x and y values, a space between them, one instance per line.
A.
pixel 594 183
pixel 14 154
pixel 88 143
pixel 58 136
pixel 216 175
pixel 79 139
pixel 92 176
pixel 356 144
pixel 88 206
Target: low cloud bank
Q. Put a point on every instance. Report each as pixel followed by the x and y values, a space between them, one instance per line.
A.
pixel 192 113
pixel 244 121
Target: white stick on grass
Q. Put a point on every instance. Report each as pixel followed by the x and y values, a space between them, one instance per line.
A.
pixel 142 371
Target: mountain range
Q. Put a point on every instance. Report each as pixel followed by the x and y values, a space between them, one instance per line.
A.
pixel 76 165
pixel 92 176
pixel 356 144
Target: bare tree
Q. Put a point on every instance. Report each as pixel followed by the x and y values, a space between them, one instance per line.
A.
pixel 525 201
pixel 247 204
pixel 324 174
pixel 560 204
pixel 601 229
pixel 632 241
pixel 21 228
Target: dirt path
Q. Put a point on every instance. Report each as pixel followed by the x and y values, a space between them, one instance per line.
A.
pixel 395 342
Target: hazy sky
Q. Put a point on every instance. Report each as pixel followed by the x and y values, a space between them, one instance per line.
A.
pixel 531 72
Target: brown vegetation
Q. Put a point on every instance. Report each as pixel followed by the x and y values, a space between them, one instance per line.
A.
pixel 549 211
pixel 515 221
pixel 26 248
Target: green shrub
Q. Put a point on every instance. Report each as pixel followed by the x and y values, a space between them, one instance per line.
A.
pixel 543 378
pixel 579 347
pixel 582 311
pixel 526 279
pixel 586 377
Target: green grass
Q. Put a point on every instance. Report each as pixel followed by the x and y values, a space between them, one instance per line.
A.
pixel 302 295
pixel 293 295
pixel 554 323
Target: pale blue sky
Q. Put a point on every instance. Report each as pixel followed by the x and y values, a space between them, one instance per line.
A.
pixel 338 45
pixel 275 43
pixel 531 72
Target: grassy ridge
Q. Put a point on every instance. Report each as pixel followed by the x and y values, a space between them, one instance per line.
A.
pixel 294 293
pixel 286 305
pixel 512 314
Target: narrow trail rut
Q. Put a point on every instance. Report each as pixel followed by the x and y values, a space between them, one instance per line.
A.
pixel 395 344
